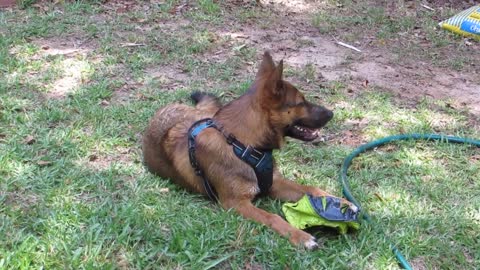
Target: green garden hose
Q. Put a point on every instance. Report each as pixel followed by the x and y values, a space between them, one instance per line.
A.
pixel 348 161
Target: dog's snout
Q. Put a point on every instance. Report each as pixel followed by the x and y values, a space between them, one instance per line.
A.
pixel 323 114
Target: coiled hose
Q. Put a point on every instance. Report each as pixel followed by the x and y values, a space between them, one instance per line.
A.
pixel 348 161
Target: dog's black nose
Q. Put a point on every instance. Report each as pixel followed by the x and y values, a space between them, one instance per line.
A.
pixel 329 115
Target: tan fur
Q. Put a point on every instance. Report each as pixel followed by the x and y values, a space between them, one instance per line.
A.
pixel 258 118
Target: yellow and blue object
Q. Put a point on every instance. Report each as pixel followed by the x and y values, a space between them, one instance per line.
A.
pixel 466 23
pixel 326 211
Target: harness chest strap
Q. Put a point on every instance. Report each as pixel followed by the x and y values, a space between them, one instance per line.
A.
pixel 260 161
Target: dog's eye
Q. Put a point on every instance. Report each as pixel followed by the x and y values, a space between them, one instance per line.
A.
pixel 288 106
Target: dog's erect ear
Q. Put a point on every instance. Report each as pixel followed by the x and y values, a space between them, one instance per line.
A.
pixel 278 73
pixel 274 82
pixel 267 65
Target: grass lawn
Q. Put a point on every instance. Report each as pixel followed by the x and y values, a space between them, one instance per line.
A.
pixel 79 81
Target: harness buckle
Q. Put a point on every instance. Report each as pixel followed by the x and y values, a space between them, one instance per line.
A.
pixel 231 139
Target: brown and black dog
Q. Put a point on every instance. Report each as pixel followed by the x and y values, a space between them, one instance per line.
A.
pixel 268 112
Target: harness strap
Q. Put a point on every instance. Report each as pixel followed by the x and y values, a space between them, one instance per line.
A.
pixel 193 132
pixel 260 161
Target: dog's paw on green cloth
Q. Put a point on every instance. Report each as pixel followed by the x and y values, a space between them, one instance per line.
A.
pixel 326 211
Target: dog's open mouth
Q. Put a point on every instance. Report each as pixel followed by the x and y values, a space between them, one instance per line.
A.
pixel 303 133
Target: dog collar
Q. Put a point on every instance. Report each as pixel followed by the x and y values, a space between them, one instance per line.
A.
pixel 260 161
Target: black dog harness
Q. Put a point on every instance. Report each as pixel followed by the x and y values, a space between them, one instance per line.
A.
pixel 260 161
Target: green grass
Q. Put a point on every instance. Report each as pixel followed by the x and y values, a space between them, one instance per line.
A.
pixel 75 195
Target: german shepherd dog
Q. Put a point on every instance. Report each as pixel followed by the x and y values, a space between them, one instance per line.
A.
pixel 261 118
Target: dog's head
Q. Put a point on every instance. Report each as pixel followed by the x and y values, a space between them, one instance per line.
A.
pixel 288 111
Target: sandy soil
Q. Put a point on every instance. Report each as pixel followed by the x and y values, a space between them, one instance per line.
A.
pixel 377 66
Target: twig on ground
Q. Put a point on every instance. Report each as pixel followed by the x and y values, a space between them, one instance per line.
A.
pixel 346 45
pixel 427 7
pixel 132 44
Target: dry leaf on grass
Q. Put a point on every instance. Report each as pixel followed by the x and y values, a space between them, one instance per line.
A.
pixel 44 163
pixel 29 139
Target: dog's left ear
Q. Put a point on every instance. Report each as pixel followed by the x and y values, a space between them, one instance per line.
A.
pixel 266 66
pixel 274 82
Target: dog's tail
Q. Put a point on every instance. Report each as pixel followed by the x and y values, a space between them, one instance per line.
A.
pixel 198 97
pixel 206 101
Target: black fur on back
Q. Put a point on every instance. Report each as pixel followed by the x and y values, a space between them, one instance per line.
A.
pixel 198 96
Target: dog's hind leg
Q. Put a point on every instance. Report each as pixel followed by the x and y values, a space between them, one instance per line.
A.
pixel 206 102
pixel 249 211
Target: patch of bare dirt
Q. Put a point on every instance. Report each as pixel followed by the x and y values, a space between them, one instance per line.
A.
pixel 102 162
pixel 295 47
pixel 68 46
pixel 294 39
pixel 295 6
pixel 166 78
pixel 418 263
pixel 459 4
pixel 70 80
pixel 124 93
pixel 413 82
pixel 20 200
pixel 253 266
pixel 7 3
pixel 350 138
pixel 169 77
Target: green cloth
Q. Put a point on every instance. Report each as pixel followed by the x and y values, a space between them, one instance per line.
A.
pixel 311 211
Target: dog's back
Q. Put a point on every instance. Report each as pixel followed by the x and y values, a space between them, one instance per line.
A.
pixel 165 139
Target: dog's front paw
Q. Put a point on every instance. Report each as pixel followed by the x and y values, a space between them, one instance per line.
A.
pixel 352 206
pixel 301 238
pixel 311 244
